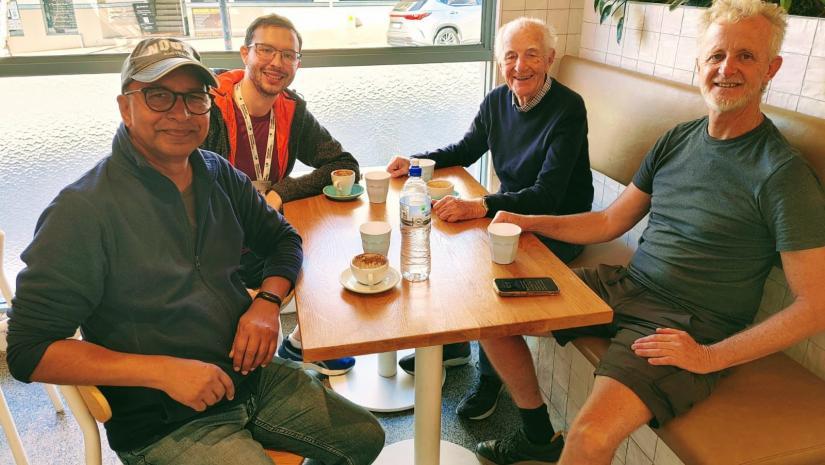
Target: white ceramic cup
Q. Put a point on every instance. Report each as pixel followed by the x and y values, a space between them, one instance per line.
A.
pixel 369 268
pixel 375 237
pixel 504 242
pixel 439 188
pixel 378 183
pixel 427 168
pixel 342 181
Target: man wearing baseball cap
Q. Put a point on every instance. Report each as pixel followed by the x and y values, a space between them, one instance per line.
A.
pixel 142 254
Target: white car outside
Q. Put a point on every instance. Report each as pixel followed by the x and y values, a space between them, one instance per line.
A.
pixel 435 22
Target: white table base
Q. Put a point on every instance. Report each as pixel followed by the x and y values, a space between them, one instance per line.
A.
pixel 365 386
pixel 402 453
pixel 426 447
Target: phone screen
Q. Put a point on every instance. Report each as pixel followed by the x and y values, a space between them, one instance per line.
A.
pixel 525 286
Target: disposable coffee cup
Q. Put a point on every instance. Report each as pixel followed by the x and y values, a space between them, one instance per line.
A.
pixel 375 237
pixel 369 268
pixel 504 242
pixel 378 183
pixel 342 181
pixel 427 168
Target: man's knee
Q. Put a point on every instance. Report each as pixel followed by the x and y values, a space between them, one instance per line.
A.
pixel 371 438
pixel 591 436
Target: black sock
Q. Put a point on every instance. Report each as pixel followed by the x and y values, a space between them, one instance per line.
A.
pixel 536 424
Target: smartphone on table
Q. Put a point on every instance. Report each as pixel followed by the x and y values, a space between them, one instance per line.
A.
pixel 525 286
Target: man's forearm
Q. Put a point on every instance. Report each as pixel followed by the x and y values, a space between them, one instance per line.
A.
pixel 798 321
pixel 582 228
pixel 76 362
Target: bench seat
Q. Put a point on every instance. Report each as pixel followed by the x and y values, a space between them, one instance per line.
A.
pixel 766 412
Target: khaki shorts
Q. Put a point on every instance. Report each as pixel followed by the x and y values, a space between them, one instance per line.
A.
pixel 667 391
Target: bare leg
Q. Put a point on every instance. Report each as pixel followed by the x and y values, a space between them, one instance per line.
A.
pixel 511 358
pixel 608 416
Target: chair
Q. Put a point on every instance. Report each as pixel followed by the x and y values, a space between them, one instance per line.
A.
pixel 6 420
pixel 88 404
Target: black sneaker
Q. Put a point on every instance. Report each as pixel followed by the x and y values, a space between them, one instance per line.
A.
pixel 454 355
pixel 518 450
pixel 482 401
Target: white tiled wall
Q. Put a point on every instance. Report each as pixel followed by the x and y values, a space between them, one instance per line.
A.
pixel 566 377
pixel 662 43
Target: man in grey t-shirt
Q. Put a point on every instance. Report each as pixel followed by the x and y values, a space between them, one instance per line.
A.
pixel 725 194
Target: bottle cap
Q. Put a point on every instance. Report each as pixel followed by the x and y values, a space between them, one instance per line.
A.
pixel 415 170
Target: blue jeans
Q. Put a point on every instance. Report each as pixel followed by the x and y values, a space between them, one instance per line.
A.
pixel 289 410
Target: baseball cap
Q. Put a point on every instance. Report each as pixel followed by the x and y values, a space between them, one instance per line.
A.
pixel 156 57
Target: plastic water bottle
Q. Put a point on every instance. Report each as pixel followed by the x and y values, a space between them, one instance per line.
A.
pixel 415 227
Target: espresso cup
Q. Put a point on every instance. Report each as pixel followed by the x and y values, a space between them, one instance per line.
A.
pixel 378 183
pixel 342 181
pixel 375 237
pixel 439 188
pixel 504 242
pixel 369 268
pixel 427 168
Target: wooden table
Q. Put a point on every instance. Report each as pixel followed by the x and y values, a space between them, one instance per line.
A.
pixel 458 302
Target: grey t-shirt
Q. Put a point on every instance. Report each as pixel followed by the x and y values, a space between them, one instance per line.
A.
pixel 720 211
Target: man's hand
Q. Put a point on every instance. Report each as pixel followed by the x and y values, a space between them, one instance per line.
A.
pixel 195 384
pixel 451 209
pixel 674 347
pixel 399 166
pixel 507 217
pixel 274 200
pixel 257 336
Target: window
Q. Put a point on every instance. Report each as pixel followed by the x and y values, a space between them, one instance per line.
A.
pixel 63 125
pixel 60 27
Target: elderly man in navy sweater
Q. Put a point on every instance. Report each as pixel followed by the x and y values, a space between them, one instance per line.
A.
pixel 536 131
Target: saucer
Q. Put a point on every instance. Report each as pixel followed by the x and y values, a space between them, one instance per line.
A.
pixel 454 194
pixel 357 190
pixel 348 281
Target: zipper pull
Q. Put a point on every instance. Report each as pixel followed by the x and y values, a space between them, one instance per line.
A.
pixel 197 263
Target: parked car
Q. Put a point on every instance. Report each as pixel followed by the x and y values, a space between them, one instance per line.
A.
pixel 435 22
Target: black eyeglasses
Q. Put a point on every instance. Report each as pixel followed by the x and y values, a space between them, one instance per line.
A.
pixel 161 99
pixel 266 52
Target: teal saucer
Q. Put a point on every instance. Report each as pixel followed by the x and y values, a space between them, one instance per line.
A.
pixel 356 191
pixel 454 194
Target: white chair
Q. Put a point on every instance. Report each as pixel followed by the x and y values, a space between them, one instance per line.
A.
pixel 6 420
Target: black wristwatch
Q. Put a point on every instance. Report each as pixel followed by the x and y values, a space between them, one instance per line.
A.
pixel 269 297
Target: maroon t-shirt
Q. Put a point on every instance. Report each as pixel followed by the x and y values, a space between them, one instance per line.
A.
pixel 243 153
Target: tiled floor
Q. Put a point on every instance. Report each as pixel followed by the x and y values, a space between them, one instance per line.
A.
pixel 54 439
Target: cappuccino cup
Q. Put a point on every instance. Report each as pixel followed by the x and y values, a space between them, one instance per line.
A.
pixel 342 181
pixel 439 188
pixel 369 268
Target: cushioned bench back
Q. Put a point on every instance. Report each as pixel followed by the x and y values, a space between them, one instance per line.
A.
pixel 628 111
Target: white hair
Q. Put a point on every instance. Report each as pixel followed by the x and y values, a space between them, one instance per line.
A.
pixel 731 11
pixel 548 36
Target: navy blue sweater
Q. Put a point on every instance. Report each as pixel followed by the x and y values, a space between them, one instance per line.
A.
pixel 540 156
pixel 115 254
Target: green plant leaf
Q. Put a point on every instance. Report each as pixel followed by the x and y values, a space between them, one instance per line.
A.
pixel 606 12
pixel 597 5
pixel 619 29
pixel 677 3
pixel 786 4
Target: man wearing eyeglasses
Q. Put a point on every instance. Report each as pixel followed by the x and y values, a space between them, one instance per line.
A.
pixel 262 128
pixel 141 254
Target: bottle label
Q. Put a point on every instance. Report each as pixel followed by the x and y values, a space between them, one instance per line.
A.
pixel 415 215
